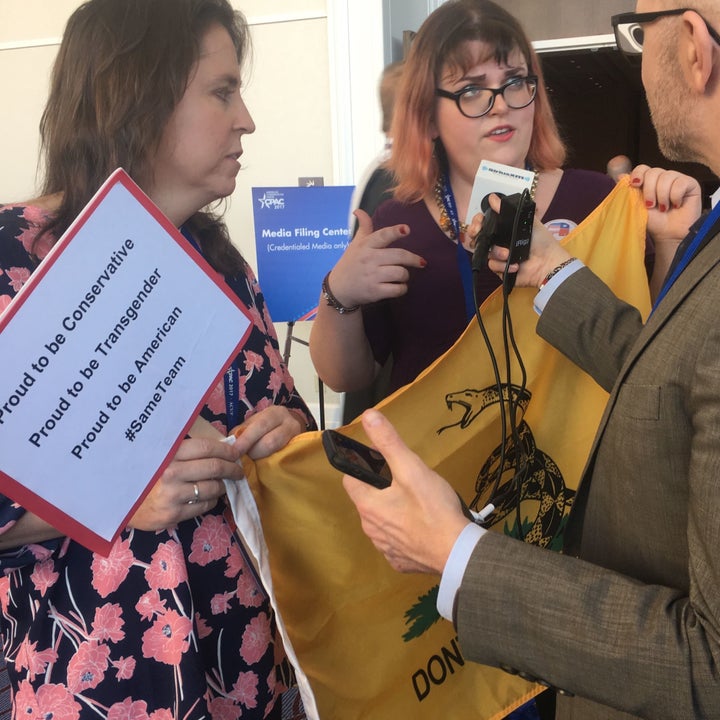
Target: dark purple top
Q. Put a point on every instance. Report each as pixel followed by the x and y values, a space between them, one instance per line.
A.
pixel 420 326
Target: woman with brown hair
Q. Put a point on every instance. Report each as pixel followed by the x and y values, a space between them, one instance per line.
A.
pixel 174 622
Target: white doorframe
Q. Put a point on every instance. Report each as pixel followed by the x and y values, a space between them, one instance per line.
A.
pixel 355 51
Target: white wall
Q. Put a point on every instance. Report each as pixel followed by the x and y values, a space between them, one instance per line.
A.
pixel 312 91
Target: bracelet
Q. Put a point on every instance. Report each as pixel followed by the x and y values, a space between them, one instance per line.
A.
pixel 555 271
pixel 332 301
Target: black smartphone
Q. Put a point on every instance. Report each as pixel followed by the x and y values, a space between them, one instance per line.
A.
pixel 352 457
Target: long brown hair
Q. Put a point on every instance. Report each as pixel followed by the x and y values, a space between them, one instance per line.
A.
pixel 441 42
pixel 122 68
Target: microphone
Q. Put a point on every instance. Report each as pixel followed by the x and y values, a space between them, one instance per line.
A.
pixel 510 228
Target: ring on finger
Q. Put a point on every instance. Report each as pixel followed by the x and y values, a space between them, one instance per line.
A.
pixel 196 497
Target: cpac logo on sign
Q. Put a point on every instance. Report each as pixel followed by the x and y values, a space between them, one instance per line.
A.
pixel 272 200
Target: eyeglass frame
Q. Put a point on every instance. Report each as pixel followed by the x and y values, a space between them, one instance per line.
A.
pixel 457 96
pixel 648 17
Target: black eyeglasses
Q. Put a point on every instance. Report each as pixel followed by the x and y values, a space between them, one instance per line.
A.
pixel 474 101
pixel 629 34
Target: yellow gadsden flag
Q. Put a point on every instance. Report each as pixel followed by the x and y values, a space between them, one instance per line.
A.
pixel 370 640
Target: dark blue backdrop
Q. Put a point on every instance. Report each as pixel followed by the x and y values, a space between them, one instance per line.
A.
pixel 300 232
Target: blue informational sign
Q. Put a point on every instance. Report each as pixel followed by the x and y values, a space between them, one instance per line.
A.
pixel 300 232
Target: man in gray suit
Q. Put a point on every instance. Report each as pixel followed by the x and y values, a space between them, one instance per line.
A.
pixel 627 622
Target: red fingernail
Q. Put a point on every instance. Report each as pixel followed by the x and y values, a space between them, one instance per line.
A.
pixel 404 230
pixel 662 208
pixel 649 204
pixel 423 262
pixel 635 181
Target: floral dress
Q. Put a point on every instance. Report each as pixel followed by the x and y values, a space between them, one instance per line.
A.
pixel 171 624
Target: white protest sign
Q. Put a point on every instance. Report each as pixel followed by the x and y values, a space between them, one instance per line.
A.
pixel 108 353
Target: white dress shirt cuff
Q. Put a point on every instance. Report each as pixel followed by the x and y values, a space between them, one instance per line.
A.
pixel 554 283
pixel 455 568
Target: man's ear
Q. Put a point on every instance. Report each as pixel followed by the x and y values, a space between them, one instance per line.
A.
pixel 697 50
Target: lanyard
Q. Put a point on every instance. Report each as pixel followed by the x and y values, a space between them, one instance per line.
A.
pixel 232 374
pixel 463 257
pixel 689 253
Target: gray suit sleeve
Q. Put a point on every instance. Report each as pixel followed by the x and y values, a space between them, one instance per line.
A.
pixel 642 649
pixel 588 324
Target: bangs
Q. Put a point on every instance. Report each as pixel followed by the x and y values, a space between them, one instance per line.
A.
pixel 498 42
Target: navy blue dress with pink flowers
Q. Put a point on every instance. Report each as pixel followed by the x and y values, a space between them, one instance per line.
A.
pixel 172 624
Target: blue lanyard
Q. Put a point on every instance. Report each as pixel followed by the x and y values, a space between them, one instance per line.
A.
pixel 232 374
pixel 689 253
pixel 463 257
